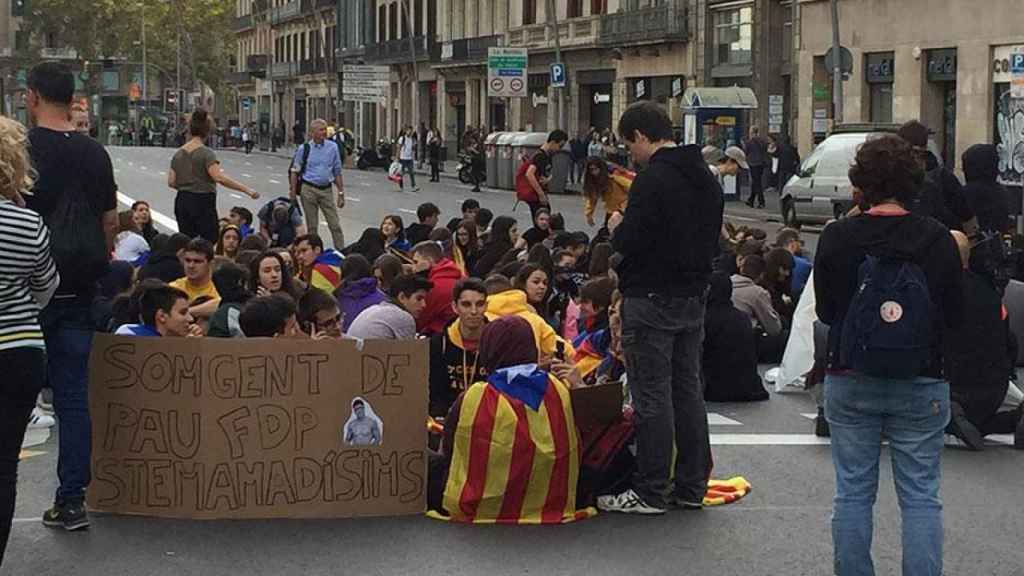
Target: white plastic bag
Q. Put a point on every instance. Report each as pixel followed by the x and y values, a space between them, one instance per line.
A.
pixel 395 171
pixel 798 359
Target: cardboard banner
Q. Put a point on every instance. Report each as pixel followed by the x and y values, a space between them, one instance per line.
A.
pixel 257 428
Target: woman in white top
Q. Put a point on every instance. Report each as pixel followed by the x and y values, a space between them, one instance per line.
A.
pixel 129 245
pixel 28 280
pixel 407 158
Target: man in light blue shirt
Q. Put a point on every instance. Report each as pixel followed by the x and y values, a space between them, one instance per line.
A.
pixel 316 168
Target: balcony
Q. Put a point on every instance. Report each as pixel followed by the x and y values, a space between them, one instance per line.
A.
pixel 289 11
pixel 470 49
pixel 577 32
pixel 282 70
pixel 260 6
pixel 316 66
pixel 241 23
pixel 645 26
pixel 395 51
pixel 236 78
pixel 322 4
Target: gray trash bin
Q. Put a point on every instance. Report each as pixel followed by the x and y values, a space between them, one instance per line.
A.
pixel 505 172
pixel 491 155
pixel 561 166
pixel 523 147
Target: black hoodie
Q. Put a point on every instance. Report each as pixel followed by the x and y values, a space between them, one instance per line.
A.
pixel 671 227
pixel 729 363
pixel 845 243
pixel 986 197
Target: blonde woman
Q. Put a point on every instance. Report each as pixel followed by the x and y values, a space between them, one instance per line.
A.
pixel 30 279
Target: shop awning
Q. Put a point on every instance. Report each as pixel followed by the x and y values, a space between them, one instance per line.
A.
pixel 735 97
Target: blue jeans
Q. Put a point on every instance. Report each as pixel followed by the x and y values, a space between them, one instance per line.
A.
pixel 912 415
pixel 661 338
pixel 68 330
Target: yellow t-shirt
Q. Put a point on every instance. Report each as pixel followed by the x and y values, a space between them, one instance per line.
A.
pixel 194 292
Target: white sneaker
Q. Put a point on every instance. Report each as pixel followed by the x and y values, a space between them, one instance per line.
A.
pixel 627 503
pixel 40 420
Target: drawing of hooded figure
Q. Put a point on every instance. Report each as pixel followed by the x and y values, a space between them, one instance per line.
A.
pixel 363 427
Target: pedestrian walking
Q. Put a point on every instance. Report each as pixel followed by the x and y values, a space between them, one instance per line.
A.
pixel 315 170
pixel 76 196
pixel 195 172
pixel 756 149
pixel 247 140
pixel 30 279
pixel 434 153
pixel 885 377
pixel 407 158
pixel 667 238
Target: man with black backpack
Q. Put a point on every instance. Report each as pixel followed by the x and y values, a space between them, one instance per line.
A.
pixel 76 195
pixel 315 170
pixel 888 284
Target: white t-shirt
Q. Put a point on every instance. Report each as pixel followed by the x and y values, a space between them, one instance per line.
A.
pixel 130 247
pixel 406 152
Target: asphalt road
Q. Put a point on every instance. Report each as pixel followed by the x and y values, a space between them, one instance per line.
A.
pixel 141 174
pixel 781 529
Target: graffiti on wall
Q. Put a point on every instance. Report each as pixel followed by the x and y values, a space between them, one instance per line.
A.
pixel 1009 137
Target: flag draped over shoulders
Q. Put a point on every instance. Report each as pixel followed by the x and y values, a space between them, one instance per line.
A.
pixel 515 452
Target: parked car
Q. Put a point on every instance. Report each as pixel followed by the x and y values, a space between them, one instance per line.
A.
pixel 821 190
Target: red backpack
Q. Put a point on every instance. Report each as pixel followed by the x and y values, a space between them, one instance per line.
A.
pixel 524 191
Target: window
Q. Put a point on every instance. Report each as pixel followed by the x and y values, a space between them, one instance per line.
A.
pixel 417 14
pixel 529 12
pixel 575 9
pixel 598 6
pixel 786 42
pixel 393 21
pixel 733 35
pixel 403 17
pixel 382 24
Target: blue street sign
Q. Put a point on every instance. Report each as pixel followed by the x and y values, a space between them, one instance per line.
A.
pixel 245 103
pixel 558 75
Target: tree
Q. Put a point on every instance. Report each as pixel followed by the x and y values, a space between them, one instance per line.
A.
pixel 112 29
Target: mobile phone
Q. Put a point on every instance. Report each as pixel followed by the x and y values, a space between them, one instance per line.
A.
pixel 560 350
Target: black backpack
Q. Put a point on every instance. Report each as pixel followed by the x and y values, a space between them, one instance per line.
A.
pixel 78 242
pixel 302 166
pixel 887 329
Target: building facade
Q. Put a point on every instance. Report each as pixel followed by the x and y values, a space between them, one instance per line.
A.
pixel 945 62
pixel 285 72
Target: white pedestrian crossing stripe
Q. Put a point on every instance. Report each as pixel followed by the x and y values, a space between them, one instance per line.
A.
pixel 715 419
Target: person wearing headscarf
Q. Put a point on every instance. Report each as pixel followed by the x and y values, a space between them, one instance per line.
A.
pixel 500 421
pixel 987 198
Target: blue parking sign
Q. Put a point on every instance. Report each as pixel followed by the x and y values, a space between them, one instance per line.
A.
pixel 558 75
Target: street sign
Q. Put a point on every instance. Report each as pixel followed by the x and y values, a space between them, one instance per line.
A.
pixel 246 104
pixel 677 87
pixel 365 83
pixel 506 72
pixel 558 75
pixel 1017 74
pixel 845 64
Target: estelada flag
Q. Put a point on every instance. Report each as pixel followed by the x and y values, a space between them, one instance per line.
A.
pixel 515 454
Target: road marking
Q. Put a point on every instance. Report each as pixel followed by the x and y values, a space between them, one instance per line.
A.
pixel 162 173
pixel 158 217
pixel 719 420
pixel 247 175
pixel 812 440
pixel 353 198
pixel 233 195
pixel 142 168
pixel 248 163
pixel 117 170
pixel 272 181
pixel 406 210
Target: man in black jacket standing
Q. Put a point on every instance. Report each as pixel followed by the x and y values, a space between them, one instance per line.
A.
pixel 668 238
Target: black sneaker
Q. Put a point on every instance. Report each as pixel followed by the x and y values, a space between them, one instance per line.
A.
pixel 69 516
pixel 821 429
pixel 685 504
pixel 962 428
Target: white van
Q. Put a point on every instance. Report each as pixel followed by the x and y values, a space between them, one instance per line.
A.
pixel 821 190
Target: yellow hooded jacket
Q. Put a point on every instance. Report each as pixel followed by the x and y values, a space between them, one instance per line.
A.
pixel 513 303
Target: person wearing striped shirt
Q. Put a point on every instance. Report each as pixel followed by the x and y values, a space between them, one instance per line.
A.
pixel 28 278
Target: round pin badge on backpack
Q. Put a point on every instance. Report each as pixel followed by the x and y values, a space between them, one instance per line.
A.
pixel 891 311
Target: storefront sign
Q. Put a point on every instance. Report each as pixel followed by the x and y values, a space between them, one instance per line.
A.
pixel 677 87
pixel 602 98
pixel 539 99
pixel 942 65
pixel 725 120
pixel 506 72
pixel 821 92
pixel 1001 62
pixel 640 88
pixel 881 68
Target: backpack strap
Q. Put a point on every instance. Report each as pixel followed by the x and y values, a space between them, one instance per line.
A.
pixel 305 159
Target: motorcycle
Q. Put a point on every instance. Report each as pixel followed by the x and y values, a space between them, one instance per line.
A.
pixel 465 169
pixel 379 157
